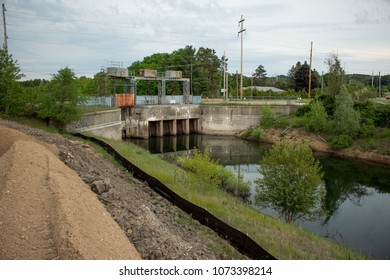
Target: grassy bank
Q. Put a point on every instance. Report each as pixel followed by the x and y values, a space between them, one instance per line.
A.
pixel 282 240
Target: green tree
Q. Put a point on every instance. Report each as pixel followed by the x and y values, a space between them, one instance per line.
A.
pixel 59 102
pixel 345 119
pixel 260 75
pixel 317 118
pixel 334 78
pixel 333 81
pixel 291 181
pixel 207 73
pixel 291 74
pixel 301 76
pixel 9 75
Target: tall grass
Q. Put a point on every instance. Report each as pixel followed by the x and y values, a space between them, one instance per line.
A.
pixel 282 240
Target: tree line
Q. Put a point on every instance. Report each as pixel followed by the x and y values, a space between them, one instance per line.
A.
pixel 202 66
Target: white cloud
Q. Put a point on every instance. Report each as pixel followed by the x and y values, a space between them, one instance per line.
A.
pixel 45 35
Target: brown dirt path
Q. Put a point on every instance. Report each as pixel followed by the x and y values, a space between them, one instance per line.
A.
pixel 47 211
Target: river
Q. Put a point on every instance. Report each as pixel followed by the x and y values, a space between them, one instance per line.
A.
pixel 357 198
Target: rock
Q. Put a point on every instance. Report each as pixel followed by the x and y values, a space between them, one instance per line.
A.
pixel 98 187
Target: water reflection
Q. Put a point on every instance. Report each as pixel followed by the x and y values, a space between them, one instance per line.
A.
pixel 357 200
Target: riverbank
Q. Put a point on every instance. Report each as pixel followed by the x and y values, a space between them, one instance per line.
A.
pixel 282 240
pixel 319 145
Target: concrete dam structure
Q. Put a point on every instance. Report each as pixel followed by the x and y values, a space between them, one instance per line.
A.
pixel 159 120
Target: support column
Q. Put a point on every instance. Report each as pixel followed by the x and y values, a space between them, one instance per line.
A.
pixel 174 127
pixel 160 128
pixel 187 126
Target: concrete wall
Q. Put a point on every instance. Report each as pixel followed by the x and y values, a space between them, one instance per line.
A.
pixel 230 120
pixel 103 123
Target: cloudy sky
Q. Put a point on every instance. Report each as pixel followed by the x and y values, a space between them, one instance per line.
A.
pixel 46 35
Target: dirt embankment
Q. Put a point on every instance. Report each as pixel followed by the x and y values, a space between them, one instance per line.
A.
pixel 157 229
pixel 318 144
pixel 47 211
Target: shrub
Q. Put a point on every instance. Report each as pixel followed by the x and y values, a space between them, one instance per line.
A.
pixel 317 118
pixel 302 110
pixel 367 130
pixel 346 119
pixel 283 122
pixel 257 132
pixel 214 174
pixel 267 116
pixel 341 141
pixel 378 113
pixel 385 133
pixel 298 122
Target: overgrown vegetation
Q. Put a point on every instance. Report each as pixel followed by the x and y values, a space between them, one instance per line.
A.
pixel 343 114
pixel 215 175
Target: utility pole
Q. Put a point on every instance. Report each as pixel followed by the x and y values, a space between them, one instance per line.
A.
pixel 191 80
pixel 241 25
pixel 227 85
pixel 372 79
pixel 252 86
pixel 311 58
pixel 5 29
pixel 237 83
pixel 379 85
pixel 224 75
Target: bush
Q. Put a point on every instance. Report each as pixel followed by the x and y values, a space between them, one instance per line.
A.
pixel 385 133
pixel 214 174
pixel 298 122
pixel 317 118
pixel 367 130
pixel 378 113
pixel 341 141
pixel 267 116
pixel 345 119
pixel 257 132
pixel 283 122
pixel 302 110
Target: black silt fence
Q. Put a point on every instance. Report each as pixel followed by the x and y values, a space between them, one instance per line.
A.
pixel 243 243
